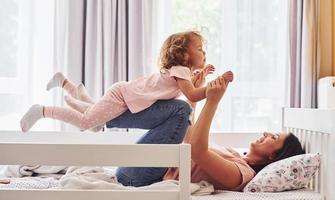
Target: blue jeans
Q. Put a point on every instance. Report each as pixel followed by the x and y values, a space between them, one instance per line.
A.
pixel 167 121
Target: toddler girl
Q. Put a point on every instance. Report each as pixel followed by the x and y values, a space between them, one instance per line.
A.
pixel 181 55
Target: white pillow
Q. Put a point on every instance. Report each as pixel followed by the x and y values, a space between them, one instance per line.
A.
pixel 288 174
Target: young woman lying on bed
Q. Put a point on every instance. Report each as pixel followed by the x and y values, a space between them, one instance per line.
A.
pixel 168 120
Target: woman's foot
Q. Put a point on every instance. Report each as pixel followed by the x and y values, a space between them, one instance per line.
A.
pixel 34 113
pixel 56 81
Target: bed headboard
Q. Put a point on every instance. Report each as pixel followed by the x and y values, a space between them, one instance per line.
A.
pixel 315 128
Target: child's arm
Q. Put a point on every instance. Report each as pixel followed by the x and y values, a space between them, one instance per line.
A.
pixel 193 94
pixel 194 91
pixel 198 80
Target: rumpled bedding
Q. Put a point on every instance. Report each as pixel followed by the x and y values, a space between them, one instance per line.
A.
pixel 61 177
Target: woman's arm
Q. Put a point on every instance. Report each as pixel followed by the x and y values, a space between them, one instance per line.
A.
pixel 194 91
pixel 222 170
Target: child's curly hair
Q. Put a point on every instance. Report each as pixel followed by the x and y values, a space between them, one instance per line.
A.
pixel 174 49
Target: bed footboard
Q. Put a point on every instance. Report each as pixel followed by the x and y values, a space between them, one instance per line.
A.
pixel 82 149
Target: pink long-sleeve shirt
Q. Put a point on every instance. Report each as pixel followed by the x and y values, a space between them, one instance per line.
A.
pixel 142 92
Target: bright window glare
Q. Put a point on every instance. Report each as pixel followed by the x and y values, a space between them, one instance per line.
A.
pixel 26 59
pixel 249 38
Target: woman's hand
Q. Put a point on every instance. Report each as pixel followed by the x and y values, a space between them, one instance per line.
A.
pixel 4 181
pixel 198 78
pixel 215 89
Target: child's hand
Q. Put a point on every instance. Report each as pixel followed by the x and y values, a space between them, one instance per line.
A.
pixel 228 76
pixel 199 76
pixel 198 79
pixel 208 69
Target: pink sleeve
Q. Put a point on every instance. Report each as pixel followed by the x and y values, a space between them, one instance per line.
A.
pixel 180 72
pixel 247 174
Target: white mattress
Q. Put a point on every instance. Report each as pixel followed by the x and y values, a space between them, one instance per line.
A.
pixel 289 195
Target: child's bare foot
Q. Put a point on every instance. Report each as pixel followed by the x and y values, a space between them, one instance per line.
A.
pixel 228 76
pixel 57 80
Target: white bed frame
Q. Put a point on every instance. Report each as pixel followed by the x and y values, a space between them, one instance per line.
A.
pixel 85 149
pixel 314 127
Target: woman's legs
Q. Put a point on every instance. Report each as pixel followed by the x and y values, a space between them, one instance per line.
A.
pixel 168 121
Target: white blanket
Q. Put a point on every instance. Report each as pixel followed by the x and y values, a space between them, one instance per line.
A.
pixel 18 171
pixel 98 178
pixel 86 178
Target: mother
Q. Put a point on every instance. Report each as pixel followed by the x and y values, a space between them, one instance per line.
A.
pixel 168 121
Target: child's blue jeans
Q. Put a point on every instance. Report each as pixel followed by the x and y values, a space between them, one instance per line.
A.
pixel 167 121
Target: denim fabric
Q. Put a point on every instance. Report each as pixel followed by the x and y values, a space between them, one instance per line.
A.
pixel 167 121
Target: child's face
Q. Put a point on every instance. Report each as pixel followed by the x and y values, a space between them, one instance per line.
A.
pixel 196 53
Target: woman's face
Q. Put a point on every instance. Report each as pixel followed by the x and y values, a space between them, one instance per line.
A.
pixel 196 53
pixel 268 144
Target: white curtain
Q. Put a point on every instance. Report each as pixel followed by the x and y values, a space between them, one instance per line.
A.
pixel 32 55
pixel 91 42
pixel 149 25
pixel 105 44
pixel 69 38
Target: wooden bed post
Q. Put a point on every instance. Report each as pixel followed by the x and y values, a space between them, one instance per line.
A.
pixel 185 171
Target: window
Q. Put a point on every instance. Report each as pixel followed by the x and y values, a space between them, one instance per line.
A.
pixel 249 38
pixel 26 55
pixel 10 92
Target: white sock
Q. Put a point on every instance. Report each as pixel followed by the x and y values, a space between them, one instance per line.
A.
pixel 34 113
pixel 56 81
pixel 83 95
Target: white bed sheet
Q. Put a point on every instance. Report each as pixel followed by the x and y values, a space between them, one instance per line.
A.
pixel 51 183
pixel 289 195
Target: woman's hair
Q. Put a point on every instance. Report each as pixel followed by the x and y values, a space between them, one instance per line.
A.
pixel 174 49
pixel 291 147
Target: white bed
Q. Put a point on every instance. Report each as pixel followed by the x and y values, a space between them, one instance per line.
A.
pixel 315 128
